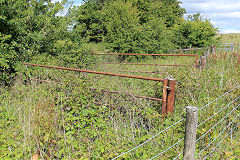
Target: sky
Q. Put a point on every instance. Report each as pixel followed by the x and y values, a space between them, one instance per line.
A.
pixel 224 14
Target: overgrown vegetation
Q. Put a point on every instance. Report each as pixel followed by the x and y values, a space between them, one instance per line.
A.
pixel 66 115
pixel 64 119
pixel 32 28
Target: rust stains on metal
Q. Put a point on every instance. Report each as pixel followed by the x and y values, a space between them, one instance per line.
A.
pixel 203 62
pixel 187 49
pixel 175 65
pixel 142 72
pixel 164 96
pixel 196 61
pixel 95 72
pixel 170 95
pixel 136 54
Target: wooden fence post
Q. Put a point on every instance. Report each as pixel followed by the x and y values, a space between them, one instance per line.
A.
pixel 170 95
pixel 190 133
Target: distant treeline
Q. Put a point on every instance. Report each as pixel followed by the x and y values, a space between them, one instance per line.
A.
pixel 33 28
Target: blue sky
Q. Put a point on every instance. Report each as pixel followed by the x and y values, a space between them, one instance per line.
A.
pixel 224 14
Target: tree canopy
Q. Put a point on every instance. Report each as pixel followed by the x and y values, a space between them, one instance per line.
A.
pixel 140 25
pixel 32 27
pixel 27 28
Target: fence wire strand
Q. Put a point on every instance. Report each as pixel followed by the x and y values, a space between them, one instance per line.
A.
pixel 219 111
pixel 218 135
pixel 178 155
pixel 216 124
pixel 148 139
pixel 219 97
pixel 167 149
pixel 212 117
pixel 221 141
pixel 198 126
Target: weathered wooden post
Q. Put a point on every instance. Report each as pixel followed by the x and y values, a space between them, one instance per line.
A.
pixel 190 133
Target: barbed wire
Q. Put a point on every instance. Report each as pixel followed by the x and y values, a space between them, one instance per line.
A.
pixel 216 124
pixel 148 139
pixel 218 135
pixel 167 149
pixel 219 97
pixel 218 111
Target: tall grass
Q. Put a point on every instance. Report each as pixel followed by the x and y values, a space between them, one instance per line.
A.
pixel 64 119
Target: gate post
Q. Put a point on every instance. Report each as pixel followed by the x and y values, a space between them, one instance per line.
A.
pixel 170 95
pixel 164 96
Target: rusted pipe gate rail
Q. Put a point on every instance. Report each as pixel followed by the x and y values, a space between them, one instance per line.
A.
pixel 135 54
pixel 168 85
pixel 187 49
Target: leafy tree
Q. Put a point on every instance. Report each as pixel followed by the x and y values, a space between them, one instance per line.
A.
pixel 88 21
pixel 122 25
pixel 156 38
pixel 168 10
pixel 27 28
pixel 195 32
pixel 125 33
pixel 128 26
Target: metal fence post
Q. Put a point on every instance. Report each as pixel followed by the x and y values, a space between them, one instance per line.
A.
pixel 214 49
pixel 190 133
pixel 202 63
pixel 170 95
pixel 164 96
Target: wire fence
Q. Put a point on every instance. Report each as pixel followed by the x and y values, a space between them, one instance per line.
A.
pixel 210 135
pixel 214 127
pixel 153 138
pixel 217 120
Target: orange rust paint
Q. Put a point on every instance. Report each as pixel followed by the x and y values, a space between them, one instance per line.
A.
pixel 164 97
pixel 136 54
pixel 171 95
pixel 176 65
pixel 95 72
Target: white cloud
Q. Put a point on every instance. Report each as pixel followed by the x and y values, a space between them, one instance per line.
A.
pixel 224 14
pixel 231 31
pixel 212 5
